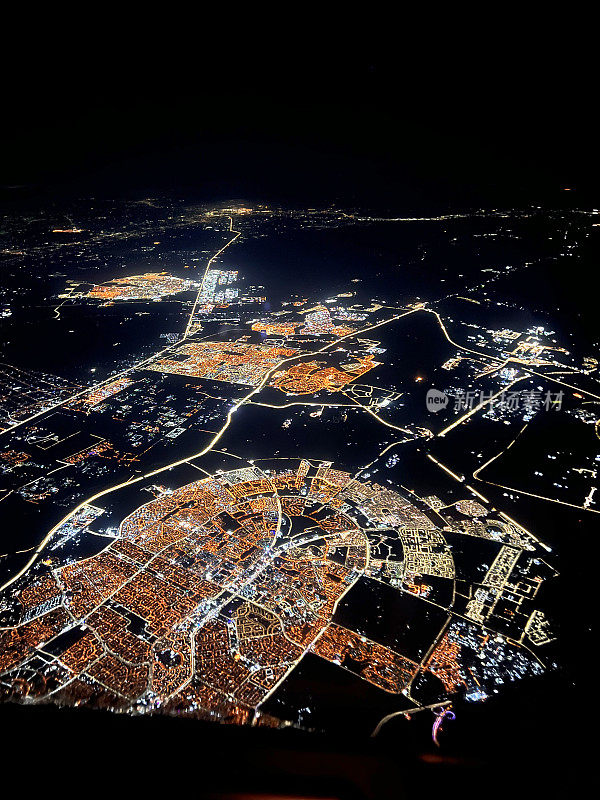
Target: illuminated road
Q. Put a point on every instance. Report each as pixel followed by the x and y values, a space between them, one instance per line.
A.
pixel 210 261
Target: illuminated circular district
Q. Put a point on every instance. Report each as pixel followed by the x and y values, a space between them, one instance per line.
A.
pixel 210 598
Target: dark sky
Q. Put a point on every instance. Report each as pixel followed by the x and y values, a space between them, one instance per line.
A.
pixel 507 121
